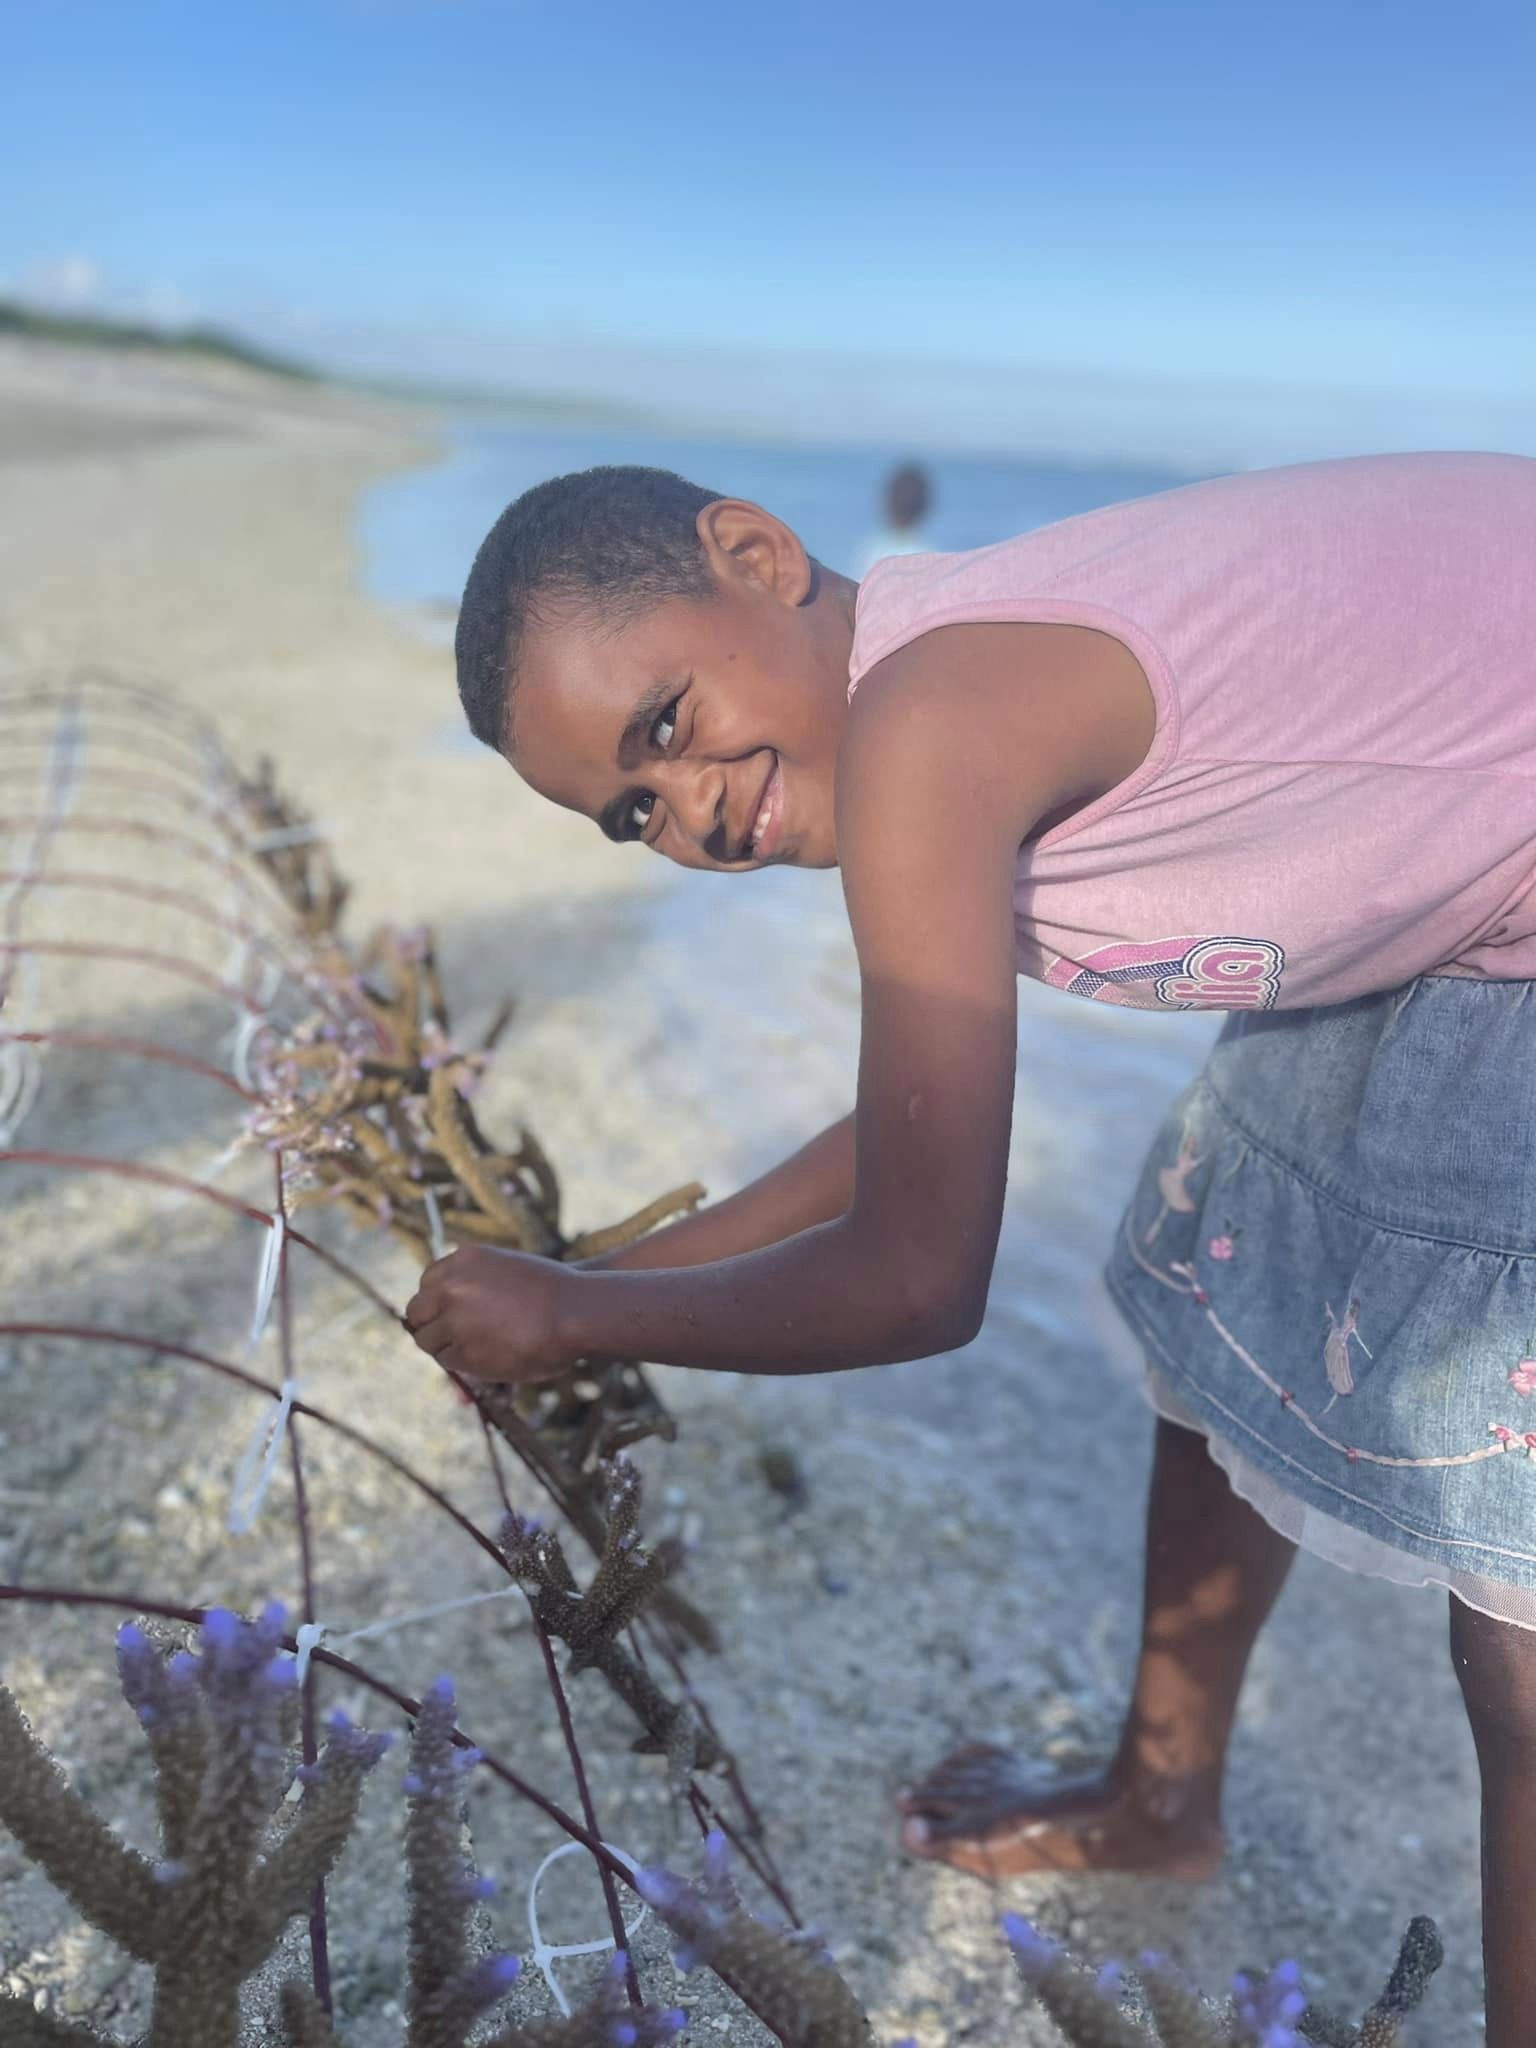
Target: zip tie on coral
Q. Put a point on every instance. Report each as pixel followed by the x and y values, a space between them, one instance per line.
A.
pixel 249 1021
pixel 266 1278
pixel 253 1475
pixel 307 1637
pixel 21 1076
pixel 21 1066
pixel 241 1039
pixel 545 1953
pixel 313 1633
pixel 435 1234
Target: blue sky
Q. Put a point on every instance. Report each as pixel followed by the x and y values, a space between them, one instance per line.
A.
pixel 982 213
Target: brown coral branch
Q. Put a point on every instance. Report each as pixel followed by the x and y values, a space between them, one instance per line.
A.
pixel 515 1212
pixel 626 1577
pixel 592 1244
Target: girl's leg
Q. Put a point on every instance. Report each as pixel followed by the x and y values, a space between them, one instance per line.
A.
pixel 1214 1569
pixel 1496 1663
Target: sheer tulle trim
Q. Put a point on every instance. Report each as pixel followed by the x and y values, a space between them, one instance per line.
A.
pixel 1324 1536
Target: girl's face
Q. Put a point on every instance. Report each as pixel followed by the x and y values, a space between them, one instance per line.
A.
pixel 707 731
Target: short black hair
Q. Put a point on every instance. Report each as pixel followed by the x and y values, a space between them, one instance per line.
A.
pixel 617 540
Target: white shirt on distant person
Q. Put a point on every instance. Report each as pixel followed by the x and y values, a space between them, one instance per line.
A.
pixel 892 540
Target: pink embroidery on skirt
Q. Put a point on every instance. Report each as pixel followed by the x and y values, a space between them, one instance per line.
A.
pixel 1336 1362
pixel 1170 1185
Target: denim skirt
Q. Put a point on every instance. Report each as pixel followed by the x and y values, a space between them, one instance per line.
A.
pixel 1330 1263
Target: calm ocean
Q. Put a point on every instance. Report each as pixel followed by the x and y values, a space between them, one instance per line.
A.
pixel 420 530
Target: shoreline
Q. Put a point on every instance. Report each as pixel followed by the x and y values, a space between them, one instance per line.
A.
pixel 982 1512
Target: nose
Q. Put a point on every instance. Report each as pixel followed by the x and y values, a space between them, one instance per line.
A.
pixel 695 795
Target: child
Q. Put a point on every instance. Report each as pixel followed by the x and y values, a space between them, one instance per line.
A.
pixel 1265 744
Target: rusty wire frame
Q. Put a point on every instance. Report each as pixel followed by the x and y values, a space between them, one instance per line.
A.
pixel 157 755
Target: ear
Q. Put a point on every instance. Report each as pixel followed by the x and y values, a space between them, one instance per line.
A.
pixel 745 544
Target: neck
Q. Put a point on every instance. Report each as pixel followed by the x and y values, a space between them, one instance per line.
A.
pixel 840 595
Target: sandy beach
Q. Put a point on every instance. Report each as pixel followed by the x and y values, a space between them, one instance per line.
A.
pixel 966 1562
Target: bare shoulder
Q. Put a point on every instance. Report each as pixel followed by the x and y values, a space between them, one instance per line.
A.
pixel 1033 719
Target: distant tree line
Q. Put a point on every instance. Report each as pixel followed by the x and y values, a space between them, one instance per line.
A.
pixel 96 331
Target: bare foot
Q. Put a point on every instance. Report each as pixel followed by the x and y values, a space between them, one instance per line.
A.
pixel 985 1811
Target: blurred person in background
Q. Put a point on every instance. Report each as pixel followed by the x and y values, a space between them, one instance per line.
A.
pixel 908 502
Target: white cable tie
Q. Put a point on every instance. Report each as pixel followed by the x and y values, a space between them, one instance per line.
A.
pixel 312 1633
pixel 266 1278
pixel 249 1488
pixel 307 1637
pixel 435 1236
pixel 545 1953
pixel 289 835
pixel 21 1075
pixel 248 1027
pixel 388 1627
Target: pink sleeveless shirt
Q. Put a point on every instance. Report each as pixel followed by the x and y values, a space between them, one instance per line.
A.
pixel 1341 792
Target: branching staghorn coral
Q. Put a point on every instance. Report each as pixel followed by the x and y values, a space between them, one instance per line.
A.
pixel 219 1728
pixel 369 1105
pixel 210 1911
pixel 1419 1958
pixel 118 765
pixel 788 1977
pixel 1265 2010
pixel 590 1622
pixel 447 1990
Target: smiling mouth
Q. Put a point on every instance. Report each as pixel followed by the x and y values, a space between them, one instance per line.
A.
pixel 768 827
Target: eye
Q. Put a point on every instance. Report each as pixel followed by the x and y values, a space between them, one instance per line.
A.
pixel 638 816
pixel 665 729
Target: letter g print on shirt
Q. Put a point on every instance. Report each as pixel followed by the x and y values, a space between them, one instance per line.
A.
pixel 1176 974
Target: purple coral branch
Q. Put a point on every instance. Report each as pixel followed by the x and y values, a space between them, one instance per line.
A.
pixel 131 1603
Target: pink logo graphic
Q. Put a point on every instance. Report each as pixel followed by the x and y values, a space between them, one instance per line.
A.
pixel 1177 974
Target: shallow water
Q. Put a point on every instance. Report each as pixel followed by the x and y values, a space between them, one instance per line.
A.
pixel 420 529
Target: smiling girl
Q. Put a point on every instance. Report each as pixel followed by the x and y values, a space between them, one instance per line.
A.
pixel 1265 744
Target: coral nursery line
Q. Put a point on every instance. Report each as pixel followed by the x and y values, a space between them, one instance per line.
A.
pixel 355 1088
pixel 341 1068
pixel 210 1911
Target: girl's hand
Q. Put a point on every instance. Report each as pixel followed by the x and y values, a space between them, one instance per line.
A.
pixel 492 1315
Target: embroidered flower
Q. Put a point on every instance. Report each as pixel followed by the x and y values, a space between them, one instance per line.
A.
pixel 1223 1248
pixel 1523 1378
pixel 1505 1436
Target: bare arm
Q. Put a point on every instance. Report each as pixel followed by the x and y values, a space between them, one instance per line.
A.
pixel 810 1188
pixel 955 753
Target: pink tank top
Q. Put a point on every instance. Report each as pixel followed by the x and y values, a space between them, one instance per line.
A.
pixel 1341 792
